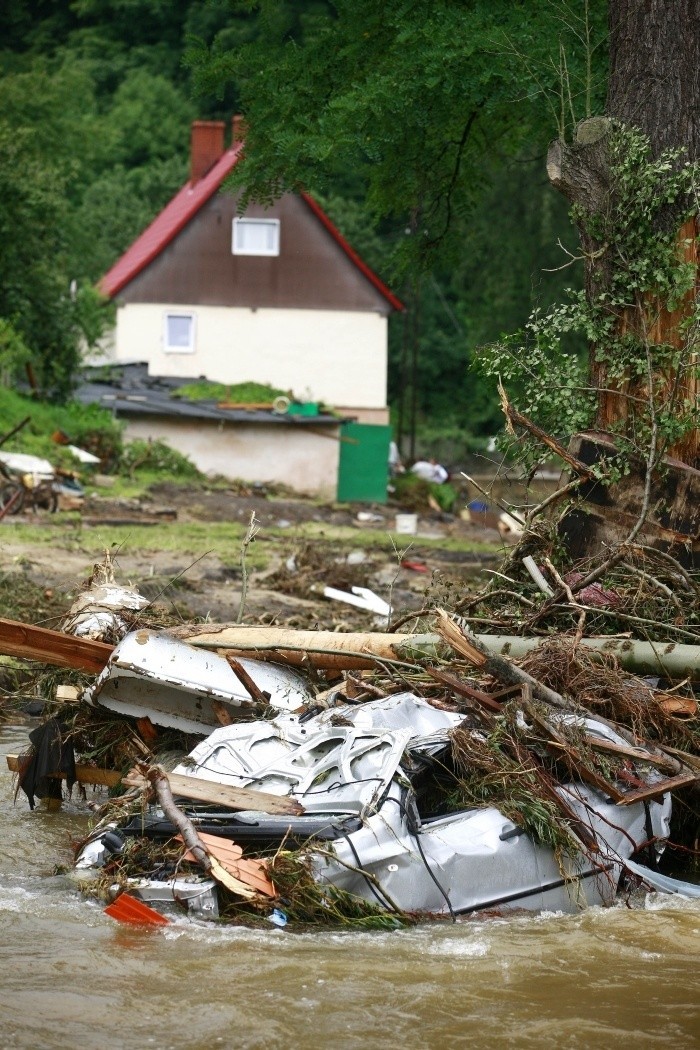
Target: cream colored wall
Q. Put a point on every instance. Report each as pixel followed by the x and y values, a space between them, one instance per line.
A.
pixel 338 357
pixel 296 457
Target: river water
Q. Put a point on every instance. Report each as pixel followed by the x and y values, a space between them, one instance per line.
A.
pixel 72 977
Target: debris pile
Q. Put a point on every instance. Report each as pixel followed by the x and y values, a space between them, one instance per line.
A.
pixel 268 775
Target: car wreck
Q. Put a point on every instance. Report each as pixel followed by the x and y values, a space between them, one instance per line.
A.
pixel 407 789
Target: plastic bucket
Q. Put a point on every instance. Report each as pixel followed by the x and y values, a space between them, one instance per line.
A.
pixel 407 524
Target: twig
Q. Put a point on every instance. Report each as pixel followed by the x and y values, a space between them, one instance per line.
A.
pixel 582 613
pixel 489 496
pixel 665 556
pixel 158 779
pixel 514 417
pixel 563 491
pixel 251 533
pixel 652 579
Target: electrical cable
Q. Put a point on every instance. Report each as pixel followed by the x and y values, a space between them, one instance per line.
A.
pixel 414 831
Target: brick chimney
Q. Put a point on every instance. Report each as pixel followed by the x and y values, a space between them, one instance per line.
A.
pixel 206 147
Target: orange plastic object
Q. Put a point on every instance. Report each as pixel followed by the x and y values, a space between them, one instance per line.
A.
pixel 128 909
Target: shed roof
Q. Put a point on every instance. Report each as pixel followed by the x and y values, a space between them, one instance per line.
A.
pixel 128 390
pixel 182 209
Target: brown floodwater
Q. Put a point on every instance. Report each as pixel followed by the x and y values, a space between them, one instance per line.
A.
pixel 72 977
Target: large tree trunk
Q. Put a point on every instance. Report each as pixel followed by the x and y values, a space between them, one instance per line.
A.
pixel 654 81
pixel 654 86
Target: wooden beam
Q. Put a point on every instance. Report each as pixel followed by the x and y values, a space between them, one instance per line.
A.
pixel 83 774
pixel 52 647
pixel 660 788
pixel 223 794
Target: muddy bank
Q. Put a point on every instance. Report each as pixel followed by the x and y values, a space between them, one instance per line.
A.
pixel 162 543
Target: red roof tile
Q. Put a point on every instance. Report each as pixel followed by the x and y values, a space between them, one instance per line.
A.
pixel 184 206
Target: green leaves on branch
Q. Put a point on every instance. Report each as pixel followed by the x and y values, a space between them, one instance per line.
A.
pixel 643 279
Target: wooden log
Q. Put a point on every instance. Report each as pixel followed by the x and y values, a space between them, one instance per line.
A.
pixel 330 650
pixel 324 650
pixel 234 798
pixel 52 647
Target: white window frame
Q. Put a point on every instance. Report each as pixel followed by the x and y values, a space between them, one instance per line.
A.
pixel 190 347
pixel 236 247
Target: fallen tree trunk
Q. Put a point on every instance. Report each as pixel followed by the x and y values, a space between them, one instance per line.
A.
pixel 329 650
pixel 324 650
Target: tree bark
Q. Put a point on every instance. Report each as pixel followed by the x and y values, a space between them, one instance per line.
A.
pixel 654 86
pixel 654 81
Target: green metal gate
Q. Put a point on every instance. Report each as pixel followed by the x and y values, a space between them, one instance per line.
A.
pixel 364 463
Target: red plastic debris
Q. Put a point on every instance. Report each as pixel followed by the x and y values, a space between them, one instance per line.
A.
pixel 414 566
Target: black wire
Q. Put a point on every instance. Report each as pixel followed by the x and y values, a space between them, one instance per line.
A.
pixel 384 903
pixel 413 830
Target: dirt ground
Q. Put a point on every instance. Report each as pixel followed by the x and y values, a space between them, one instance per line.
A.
pixel 345 550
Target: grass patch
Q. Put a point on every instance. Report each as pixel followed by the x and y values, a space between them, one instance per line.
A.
pixel 236 393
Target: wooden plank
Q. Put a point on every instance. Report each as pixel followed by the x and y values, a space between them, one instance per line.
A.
pixel 660 788
pixel 669 765
pixel 83 774
pixel 223 794
pixel 251 872
pixel 462 689
pixel 52 647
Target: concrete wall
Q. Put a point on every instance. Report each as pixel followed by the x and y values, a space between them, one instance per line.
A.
pixel 338 357
pixel 293 456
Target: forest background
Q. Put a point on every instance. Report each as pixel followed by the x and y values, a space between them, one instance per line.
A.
pixel 422 129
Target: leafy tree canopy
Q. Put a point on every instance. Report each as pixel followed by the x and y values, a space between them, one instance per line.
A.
pixel 412 96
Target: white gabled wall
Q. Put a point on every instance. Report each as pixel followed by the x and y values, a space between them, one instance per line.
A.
pixel 338 357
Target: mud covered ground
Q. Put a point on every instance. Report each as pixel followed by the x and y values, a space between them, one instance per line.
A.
pixel 182 548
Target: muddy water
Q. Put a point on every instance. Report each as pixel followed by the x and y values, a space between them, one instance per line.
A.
pixel 71 977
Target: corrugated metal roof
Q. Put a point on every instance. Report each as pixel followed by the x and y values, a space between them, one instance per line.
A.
pixel 183 208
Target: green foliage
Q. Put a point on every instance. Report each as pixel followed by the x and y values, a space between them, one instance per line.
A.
pixel 41 152
pixel 408 125
pixel 14 353
pixel 239 393
pixel 642 273
pixel 412 98
pixel 87 426
pixel 156 457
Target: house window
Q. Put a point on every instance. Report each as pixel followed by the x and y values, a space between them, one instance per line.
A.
pixel 179 333
pixel 256 237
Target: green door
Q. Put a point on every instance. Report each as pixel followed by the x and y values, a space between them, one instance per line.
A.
pixel 364 463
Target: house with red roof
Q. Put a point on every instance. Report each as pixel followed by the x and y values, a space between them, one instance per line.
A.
pixel 275 295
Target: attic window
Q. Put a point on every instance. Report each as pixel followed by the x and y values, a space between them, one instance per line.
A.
pixel 179 333
pixel 256 237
